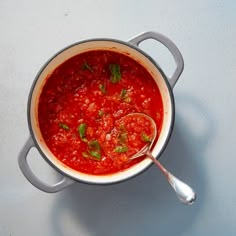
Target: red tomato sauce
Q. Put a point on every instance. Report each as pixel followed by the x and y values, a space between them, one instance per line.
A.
pixel 81 107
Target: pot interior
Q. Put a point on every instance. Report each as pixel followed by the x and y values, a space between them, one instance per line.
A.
pixel 116 46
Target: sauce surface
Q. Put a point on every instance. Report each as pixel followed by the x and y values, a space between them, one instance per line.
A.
pixel 81 110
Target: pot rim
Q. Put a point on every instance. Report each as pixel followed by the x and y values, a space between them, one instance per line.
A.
pixel 170 92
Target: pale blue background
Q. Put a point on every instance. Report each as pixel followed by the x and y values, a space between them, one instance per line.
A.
pixel 201 150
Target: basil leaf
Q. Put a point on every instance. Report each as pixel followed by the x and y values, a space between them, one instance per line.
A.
pixel 82 131
pixel 86 66
pixel 146 138
pixel 115 73
pixel 101 113
pixel 123 93
pixel 64 126
pixel 121 149
pixel 124 96
pixel 102 88
pixel 96 155
pixel 92 155
pixel 94 145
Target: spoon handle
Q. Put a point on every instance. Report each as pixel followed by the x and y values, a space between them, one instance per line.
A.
pixel 184 192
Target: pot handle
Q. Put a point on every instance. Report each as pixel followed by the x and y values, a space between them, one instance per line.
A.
pixel 172 48
pixel 23 164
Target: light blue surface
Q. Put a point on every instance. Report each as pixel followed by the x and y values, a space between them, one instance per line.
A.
pixel 201 150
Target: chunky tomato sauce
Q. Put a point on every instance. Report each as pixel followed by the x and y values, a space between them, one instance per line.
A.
pixel 81 110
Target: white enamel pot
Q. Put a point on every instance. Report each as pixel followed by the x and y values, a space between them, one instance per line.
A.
pixel 165 84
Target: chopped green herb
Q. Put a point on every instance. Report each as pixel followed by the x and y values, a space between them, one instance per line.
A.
pixel 82 131
pixel 95 154
pixel 102 88
pixel 86 66
pixel 101 113
pixel 64 126
pixel 121 149
pixel 115 73
pixel 94 145
pixel 123 93
pixel 124 96
pixel 92 155
pixel 146 138
pixel 94 150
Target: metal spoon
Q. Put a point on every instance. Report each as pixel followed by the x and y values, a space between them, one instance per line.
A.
pixel 184 192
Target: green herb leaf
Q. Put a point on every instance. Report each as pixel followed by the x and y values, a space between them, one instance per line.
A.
pixel 95 154
pixel 64 126
pixel 121 149
pixel 82 131
pixel 94 150
pixel 94 145
pixel 103 88
pixel 86 66
pixel 124 96
pixel 123 93
pixel 115 73
pixel 101 113
pixel 145 138
pixel 92 155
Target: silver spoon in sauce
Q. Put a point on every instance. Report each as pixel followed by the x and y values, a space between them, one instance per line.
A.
pixel 184 192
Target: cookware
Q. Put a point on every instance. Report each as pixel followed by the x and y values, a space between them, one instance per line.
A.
pixel 131 48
